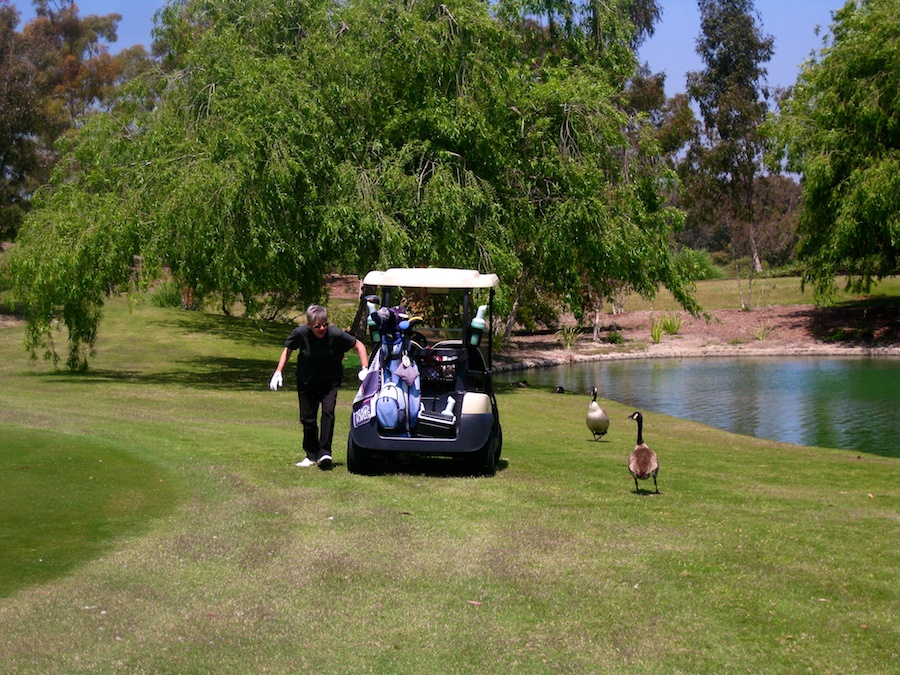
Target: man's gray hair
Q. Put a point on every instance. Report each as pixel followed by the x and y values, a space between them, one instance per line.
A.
pixel 316 314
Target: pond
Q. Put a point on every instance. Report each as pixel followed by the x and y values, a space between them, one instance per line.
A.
pixel 835 402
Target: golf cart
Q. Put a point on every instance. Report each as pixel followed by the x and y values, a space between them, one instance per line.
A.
pixel 428 390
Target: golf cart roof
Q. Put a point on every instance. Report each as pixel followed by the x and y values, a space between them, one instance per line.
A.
pixel 431 277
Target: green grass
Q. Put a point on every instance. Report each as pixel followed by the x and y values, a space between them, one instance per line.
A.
pixel 723 294
pixel 65 500
pixel 198 547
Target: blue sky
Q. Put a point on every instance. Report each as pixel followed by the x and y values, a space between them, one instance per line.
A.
pixel 791 22
pixel 672 49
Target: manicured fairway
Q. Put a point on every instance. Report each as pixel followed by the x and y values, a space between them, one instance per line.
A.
pixel 153 521
pixel 65 499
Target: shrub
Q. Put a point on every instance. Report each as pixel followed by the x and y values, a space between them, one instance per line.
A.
pixel 166 294
pixel 699 264
pixel 341 315
pixel 669 323
pixel 568 336
pixel 763 330
pixel 793 269
pixel 656 329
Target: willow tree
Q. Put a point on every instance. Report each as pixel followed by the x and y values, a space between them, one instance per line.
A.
pixel 223 183
pixel 292 139
pixel 598 221
pixel 841 128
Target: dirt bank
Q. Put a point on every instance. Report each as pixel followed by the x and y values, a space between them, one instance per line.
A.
pixel 872 329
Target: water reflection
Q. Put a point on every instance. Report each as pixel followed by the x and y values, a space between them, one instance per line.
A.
pixel 846 403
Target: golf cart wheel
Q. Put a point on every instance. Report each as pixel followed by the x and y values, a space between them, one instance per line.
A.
pixel 484 461
pixel 359 461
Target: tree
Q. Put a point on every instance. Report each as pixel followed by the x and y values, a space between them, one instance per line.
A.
pixel 672 119
pixel 75 64
pixel 57 71
pixel 841 131
pixel 295 138
pixel 728 154
pixel 596 219
pixel 21 118
pixel 776 210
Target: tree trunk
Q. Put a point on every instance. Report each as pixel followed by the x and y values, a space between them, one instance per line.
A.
pixel 737 271
pixel 360 327
pixel 754 249
pixel 511 320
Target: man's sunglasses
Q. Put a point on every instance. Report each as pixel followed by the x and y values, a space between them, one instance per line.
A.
pixel 317 326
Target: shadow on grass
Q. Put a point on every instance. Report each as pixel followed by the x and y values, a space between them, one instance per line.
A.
pixel 513 387
pixel 7 309
pixel 431 467
pixel 213 374
pixel 237 329
pixel 220 374
pixel 644 492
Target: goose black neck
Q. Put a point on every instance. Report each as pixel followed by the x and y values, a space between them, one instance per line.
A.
pixel 640 438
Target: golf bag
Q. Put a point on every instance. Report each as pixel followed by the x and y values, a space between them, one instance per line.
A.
pixel 398 400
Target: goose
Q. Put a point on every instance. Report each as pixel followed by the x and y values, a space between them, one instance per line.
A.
pixel 597 419
pixel 643 462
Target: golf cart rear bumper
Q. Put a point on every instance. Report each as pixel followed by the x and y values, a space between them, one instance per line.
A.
pixel 470 434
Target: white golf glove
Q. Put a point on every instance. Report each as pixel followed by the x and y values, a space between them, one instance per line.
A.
pixel 276 381
pixel 362 373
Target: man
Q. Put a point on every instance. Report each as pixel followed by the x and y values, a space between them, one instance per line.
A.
pixel 319 369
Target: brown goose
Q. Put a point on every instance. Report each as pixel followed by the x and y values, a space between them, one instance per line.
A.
pixel 597 419
pixel 643 462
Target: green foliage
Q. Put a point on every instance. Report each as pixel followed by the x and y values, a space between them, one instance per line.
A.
pixel 56 73
pixel 568 336
pixel 669 324
pixel 733 49
pixel 293 139
pixel 614 337
pixel 698 265
pixel 21 117
pixel 63 265
pixel 722 165
pixel 776 205
pixel 656 329
pixel 840 130
pixel 794 269
pixel 166 294
pixel 341 314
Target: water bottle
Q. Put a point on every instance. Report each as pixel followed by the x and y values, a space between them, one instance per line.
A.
pixel 374 333
pixel 477 326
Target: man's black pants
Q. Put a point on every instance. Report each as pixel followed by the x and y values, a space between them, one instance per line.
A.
pixel 316 441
